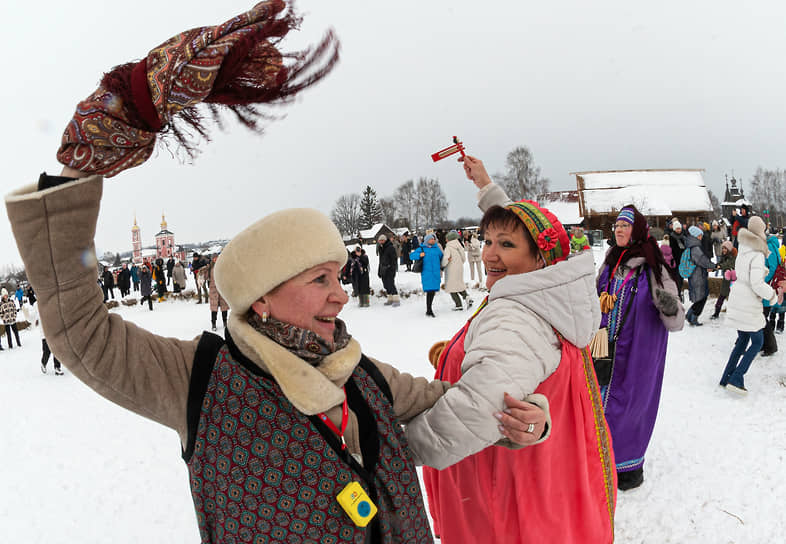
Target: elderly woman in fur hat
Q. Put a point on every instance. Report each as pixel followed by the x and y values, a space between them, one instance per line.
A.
pixel 288 430
pixel 529 336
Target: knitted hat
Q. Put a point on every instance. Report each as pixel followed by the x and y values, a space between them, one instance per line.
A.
pixel 695 231
pixel 382 238
pixel 545 228
pixel 272 250
pixel 676 224
pixel 626 215
pixel 429 237
pixel 452 235
pixel 756 226
pixel 641 230
pixel 727 245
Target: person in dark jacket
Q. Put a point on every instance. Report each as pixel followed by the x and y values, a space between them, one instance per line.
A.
pixel 135 276
pixel 124 281
pixel 388 263
pixel 726 262
pixel 170 265
pixel 146 282
pixel 698 284
pixel 197 263
pixel 677 241
pixel 360 276
pixel 160 278
pixel 108 284
pixel 406 248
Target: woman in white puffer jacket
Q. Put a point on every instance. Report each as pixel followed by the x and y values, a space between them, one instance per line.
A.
pixel 744 310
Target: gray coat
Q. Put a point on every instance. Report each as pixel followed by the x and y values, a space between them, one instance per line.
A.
pixel 698 286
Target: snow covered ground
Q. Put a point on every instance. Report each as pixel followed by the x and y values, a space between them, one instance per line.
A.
pixel 76 468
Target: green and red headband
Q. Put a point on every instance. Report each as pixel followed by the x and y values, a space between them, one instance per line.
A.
pixel 548 233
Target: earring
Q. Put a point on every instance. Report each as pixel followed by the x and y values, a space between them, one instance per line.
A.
pixel 264 317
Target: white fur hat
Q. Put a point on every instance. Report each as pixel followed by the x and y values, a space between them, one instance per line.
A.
pixel 271 251
pixel 756 226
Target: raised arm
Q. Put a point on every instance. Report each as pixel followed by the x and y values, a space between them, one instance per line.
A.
pixel 145 373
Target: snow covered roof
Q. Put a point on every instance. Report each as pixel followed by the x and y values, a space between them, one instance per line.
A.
pixel 372 232
pixel 563 204
pixel 654 192
pixel 401 230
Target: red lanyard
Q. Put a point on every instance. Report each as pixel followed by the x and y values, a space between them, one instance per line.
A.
pixel 344 420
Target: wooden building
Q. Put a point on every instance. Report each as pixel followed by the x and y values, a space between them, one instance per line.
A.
pixel 658 194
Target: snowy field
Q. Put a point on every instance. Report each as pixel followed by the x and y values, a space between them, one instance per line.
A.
pixel 76 468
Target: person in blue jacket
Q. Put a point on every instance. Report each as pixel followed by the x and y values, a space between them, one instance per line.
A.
pixel 431 275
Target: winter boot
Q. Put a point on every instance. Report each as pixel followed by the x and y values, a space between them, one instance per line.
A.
pixel 224 318
pixel 58 371
pixel 779 326
pixel 389 301
pixel 630 480
pixel 396 301
pixel 43 368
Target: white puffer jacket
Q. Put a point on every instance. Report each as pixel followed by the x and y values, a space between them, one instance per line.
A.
pixel 510 347
pixel 453 261
pixel 744 310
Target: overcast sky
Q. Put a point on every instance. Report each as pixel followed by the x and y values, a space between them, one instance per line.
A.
pixel 585 85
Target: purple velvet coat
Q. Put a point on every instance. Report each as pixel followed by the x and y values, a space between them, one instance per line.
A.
pixel 631 399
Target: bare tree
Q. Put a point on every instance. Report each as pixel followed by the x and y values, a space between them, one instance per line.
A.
pixel 433 203
pixel 407 204
pixel 717 209
pixel 389 212
pixel 767 193
pixel 346 214
pixel 522 178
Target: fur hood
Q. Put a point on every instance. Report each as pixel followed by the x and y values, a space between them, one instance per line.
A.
pixel 753 242
pixel 562 294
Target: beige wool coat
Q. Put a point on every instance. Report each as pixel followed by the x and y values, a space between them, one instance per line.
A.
pixel 141 371
pixel 453 260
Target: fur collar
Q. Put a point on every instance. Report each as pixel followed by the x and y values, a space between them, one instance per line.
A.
pixel 747 238
pixel 310 389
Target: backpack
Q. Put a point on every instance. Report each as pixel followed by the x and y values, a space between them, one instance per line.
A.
pixel 687 266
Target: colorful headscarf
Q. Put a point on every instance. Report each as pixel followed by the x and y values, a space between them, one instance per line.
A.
pixel 548 233
pixel 235 64
pixel 641 244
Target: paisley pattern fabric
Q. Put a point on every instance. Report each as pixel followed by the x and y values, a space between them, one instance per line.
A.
pixel 304 343
pixel 235 64
pixel 263 472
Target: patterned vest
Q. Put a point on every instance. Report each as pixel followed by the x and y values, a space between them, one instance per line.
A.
pixel 263 472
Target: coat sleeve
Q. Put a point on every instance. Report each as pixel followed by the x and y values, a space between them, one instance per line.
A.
pixel 511 351
pixel 411 395
pixel 675 322
pixel 492 195
pixel 759 285
pixel 700 258
pixel 143 372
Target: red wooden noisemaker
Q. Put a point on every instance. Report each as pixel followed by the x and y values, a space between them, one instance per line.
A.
pixel 457 147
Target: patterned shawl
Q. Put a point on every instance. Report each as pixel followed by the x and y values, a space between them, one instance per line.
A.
pixel 235 65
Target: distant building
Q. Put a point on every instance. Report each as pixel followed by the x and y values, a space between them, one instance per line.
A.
pixel 369 236
pixel 733 198
pixel 165 245
pixel 563 204
pixel 136 243
pixel 658 194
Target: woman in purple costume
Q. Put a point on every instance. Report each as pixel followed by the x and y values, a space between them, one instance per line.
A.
pixel 641 306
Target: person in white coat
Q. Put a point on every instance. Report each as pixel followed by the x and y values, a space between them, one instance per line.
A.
pixel 473 249
pixel 744 309
pixel 453 262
